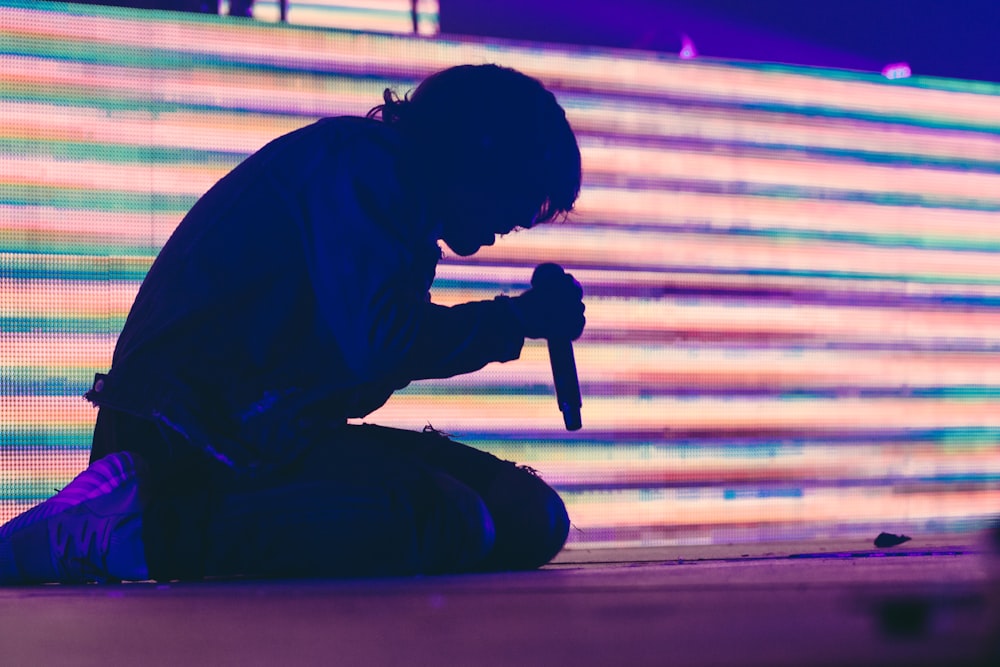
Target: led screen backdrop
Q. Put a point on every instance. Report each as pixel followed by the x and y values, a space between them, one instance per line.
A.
pixel 793 276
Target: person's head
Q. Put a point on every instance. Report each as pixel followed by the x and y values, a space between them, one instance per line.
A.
pixel 494 151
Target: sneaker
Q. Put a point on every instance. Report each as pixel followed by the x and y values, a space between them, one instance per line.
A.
pixel 89 531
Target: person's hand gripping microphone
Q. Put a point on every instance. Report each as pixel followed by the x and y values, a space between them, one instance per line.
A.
pixel 553 309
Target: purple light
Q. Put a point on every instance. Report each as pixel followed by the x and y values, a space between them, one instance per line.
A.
pixel 897 71
pixel 687 48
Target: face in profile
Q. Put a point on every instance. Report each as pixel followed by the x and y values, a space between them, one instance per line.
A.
pixel 470 221
pixel 492 152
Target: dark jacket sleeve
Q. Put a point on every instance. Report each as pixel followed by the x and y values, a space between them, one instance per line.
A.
pixel 371 273
pixel 463 338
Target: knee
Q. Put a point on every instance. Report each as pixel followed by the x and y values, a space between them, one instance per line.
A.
pixel 530 520
pixel 458 531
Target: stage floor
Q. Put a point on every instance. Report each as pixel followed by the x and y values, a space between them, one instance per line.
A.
pixel 925 603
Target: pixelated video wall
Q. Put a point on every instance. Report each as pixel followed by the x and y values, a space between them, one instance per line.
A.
pixel 792 275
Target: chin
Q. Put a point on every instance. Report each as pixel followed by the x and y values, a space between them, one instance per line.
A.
pixel 463 251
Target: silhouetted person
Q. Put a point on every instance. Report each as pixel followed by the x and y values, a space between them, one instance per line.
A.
pixel 294 296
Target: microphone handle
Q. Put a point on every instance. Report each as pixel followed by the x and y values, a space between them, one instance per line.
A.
pixel 566 381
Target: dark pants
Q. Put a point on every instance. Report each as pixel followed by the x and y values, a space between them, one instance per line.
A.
pixel 360 501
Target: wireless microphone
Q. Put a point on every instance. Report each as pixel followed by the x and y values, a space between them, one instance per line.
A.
pixel 561 357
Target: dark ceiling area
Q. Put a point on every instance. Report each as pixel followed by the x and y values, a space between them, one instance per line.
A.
pixel 945 38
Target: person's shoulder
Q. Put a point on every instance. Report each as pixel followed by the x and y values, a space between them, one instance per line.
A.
pixel 375 151
pixel 359 130
pixel 375 158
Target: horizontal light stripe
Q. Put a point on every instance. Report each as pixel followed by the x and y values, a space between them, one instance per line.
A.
pixel 627 370
pixel 472 273
pixel 466 413
pixel 489 279
pixel 220 131
pixel 457 414
pixel 42 298
pixel 57 351
pixel 647 250
pixel 806 466
pixel 722 212
pixel 797 172
pixel 819 507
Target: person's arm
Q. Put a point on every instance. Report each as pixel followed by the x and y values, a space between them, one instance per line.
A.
pixel 466 337
pixel 463 338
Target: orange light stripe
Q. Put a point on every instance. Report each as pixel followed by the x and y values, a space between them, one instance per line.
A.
pixel 608 247
pixel 803 172
pixel 720 212
pixel 506 413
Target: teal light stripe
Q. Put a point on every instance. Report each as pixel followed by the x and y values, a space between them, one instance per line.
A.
pixel 957 244
pixel 34 490
pixel 76 96
pixel 873 240
pixel 863 276
pixel 46 381
pixel 121 247
pixel 888 159
pixel 918 81
pixel 94 200
pixel 815 111
pixel 959 439
pixel 60 381
pixel 79 9
pixel 794 192
pixel 138 246
pixel 137 154
pixel 50 267
pixel 111 102
pixel 41 324
pixel 31 266
pixel 91 53
pixel 629 184
pixel 49 439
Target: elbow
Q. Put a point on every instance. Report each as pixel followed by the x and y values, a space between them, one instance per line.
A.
pixel 378 354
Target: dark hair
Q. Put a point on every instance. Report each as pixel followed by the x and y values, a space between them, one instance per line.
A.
pixel 485 123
